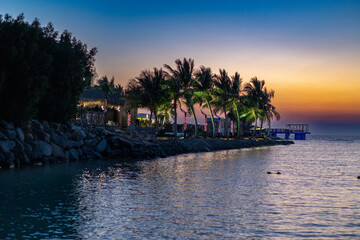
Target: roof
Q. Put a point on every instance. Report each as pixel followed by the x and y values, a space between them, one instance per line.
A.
pixel 98 95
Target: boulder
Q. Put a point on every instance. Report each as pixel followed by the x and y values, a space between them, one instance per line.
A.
pixel 6 125
pixel 121 141
pixel 29 137
pixel 19 145
pixel 74 155
pixel 71 144
pixel 77 133
pixel 45 125
pixel 42 135
pixel 67 155
pixel 3 136
pixel 101 146
pixel 59 140
pixel 41 149
pixel 27 149
pixel 80 152
pixel 11 134
pixel 7 145
pixel 20 134
pixel 36 125
pixel 57 151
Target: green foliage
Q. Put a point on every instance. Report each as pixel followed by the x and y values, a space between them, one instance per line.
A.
pixel 148 91
pixel 41 74
pixel 109 87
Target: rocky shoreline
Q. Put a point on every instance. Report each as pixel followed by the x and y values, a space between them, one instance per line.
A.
pixel 37 143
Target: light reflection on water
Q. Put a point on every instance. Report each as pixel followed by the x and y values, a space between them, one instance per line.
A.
pixel 226 194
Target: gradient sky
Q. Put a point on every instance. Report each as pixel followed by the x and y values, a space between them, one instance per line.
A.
pixel 307 51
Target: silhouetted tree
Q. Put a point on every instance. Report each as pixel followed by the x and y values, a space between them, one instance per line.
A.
pixel 42 74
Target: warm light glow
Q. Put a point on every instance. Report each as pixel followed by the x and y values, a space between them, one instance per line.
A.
pixel 129 119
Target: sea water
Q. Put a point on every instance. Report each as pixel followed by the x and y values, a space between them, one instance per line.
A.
pixel 224 194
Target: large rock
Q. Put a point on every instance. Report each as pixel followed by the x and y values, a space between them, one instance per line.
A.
pixel 11 134
pixel 19 145
pixel 28 137
pixel 20 134
pixel 101 146
pixel 59 140
pixel 42 135
pixel 27 149
pixel 45 125
pixel 41 149
pixel 3 136
pixel 72 144
pixel 118 141
pixel 36 125
pixel 74 155
pixel 7 145
pixel 6 125
pixel 57 152
pixel 77 133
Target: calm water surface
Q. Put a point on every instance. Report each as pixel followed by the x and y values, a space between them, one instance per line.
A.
pixel 224 194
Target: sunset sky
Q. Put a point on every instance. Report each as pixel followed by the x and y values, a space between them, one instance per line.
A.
pixel 307 51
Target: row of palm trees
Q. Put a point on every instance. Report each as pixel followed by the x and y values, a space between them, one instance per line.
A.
pixel 163 91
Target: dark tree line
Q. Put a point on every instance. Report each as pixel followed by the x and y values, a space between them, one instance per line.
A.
pixel 42 72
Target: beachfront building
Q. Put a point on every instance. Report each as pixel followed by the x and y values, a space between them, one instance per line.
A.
pixel 99 108
pixel 232 127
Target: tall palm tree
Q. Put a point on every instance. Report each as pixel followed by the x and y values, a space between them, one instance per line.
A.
pixel 181 84
pixel 252 112
pixel 269 110
pixel 254 101
pixel 222 94
pixel 165 111
pixel 235 101
pixel 204 88
pixel 148 91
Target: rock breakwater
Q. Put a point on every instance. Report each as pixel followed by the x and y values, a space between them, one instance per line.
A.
pixel 37 143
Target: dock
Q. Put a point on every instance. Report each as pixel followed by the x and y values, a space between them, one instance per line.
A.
pixel 299 130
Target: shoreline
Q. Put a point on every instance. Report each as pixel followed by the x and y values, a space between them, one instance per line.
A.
pixel 38 143
pixel 177 147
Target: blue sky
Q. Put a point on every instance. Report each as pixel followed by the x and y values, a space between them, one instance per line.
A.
pixel 308 51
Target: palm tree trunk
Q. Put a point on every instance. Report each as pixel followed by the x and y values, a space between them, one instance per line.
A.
pixel 156 121
pixel 212 118
pixel 150 118
pixel 175 118
pixel 253 134
pixel 195 121
pixel 238 120
pixel 262 122
pixel 268 133
pixel 226 127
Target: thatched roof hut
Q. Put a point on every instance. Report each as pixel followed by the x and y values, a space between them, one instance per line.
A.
pixel 92 98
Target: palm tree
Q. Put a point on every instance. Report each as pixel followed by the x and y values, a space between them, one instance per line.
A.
pixel 269 110
pixel 204 88
pixel 148 91
pixel 236 98
pixel 181 86
pixel 255 101
pixel 252 112
pixel 222 94
pixel 165 111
